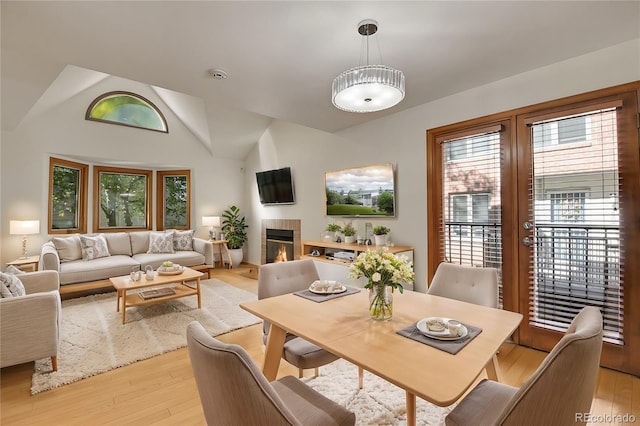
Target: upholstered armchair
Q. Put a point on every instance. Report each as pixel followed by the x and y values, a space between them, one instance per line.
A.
pixel 233 390
pixel 29 324
pixel 466 283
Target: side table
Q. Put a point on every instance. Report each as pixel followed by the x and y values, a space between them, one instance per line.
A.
pixel 222 244
pixel 29 263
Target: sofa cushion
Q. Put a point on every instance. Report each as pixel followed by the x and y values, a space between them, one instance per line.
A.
pixel 183 240
pixel 11 286
pixel 68 248
pixel 118 243
pixel 184 258
pixel 139 241
pixel 93 247
pixel 103 268
pixel 160 242
pixel 14 270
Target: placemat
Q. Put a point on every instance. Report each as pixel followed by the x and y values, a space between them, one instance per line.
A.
pixel 324 297
pixel 451 346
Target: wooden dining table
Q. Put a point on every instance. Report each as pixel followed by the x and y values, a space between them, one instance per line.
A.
pixel 343 327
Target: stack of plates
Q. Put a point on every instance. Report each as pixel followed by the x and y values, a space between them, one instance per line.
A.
pixel 327 287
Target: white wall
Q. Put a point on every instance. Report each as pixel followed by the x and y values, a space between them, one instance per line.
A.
pixel 400 138
pixel 62 131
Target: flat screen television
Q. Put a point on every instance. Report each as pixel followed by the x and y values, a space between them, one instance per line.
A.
pixel 361 191
pixel 276 186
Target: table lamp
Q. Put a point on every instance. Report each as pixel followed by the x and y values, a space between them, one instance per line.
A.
pixel 24 228
pixel 212 222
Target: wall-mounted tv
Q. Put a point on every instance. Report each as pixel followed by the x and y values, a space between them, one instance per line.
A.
pixel 361 191
pixel 276 186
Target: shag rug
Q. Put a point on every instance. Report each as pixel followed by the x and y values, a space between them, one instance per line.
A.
pixel 378 403
pixel 93 339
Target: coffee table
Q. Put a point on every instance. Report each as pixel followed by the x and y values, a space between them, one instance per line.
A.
pixel 124 285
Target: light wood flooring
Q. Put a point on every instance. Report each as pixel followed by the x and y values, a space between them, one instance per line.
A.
pixel 162 391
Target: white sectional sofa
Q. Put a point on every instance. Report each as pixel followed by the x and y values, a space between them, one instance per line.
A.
pixel 81 258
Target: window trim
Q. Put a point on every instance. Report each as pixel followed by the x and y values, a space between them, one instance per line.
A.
pixel 97 170
pixel 160 208
pixel 82 201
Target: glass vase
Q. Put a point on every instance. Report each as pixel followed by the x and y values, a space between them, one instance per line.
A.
pixel 381 302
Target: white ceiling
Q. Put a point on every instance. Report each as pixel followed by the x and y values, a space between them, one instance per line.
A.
pixel 281 57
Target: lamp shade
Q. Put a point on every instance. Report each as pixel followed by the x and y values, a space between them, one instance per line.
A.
pixel 211 221
pixel 24 227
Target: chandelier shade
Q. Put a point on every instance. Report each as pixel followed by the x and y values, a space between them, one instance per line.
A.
pixel 368 88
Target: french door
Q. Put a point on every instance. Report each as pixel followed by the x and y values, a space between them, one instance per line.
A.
pixel 553 202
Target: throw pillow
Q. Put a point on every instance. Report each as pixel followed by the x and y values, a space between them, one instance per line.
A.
pixel 11 269
pixel 160 242
pixel 68 248
pixel 183 240
pixel 94 247
pixel 11 286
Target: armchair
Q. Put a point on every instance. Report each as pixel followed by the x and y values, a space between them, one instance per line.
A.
pixel 29 324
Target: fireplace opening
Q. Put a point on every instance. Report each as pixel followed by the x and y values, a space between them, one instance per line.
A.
pixel 279 245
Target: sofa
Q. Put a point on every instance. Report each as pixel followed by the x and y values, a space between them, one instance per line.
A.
pixel 29 322
pixel 80 258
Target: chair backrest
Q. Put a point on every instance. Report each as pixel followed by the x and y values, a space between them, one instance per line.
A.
pixel 275 279
pixel 563 385
pixel 233 390
pixel 466 283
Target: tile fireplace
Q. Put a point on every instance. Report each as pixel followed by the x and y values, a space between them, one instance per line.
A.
pixel 280 240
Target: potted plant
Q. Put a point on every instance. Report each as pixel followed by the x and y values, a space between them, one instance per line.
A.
pixel 349 233
pixel 234 228
pixel 381 233
pixel 331 233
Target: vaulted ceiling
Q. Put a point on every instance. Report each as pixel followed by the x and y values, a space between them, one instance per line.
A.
pixel 282 56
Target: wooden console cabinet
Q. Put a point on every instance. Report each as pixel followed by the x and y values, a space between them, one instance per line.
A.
pixel 336 268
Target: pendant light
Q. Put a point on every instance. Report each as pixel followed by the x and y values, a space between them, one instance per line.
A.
pixel 368 88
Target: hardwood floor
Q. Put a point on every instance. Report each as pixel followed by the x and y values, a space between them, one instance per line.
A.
pixel 162 391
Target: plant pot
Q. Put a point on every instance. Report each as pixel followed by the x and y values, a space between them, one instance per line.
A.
pixel 236 257
pixel 381 240
pixel 350 239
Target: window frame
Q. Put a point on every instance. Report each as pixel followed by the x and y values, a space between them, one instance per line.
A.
pixel 160 198
pixel 97 172
pixel 82 198
pixel 140 98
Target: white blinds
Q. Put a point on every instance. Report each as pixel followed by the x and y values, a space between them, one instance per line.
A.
pixel 574 196
pixel 471 231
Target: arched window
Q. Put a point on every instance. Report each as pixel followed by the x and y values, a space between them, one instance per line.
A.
pixel 127 109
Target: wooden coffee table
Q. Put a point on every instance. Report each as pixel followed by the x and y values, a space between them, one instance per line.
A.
pixel 124 284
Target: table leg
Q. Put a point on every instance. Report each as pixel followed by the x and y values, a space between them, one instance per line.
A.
pixel 493 369
pixel 199 294
pixel 226 249
pixel 118 300
pixel 124 305
pixel 411 409
pixel 273 352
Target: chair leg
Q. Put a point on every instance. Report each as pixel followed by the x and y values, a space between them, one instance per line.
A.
pixel 316 372
pixel 54 363
pixel 300 373
pixel 360 378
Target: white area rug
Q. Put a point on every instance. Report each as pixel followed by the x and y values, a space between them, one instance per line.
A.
pixel 93 339
pixel 379 403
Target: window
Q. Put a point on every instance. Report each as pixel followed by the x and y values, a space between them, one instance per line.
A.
pixel 469 147
pixel 567 207
pixel 127 109
pixel 173 207
pixel 566 131
pixel 67 196
pixel 121 199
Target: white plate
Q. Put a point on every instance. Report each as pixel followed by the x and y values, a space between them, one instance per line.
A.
pixel 440 335
pixel 317 287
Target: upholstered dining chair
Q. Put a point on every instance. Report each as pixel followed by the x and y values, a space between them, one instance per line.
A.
pixel 233 390
pixel 559 391
pixel 466 283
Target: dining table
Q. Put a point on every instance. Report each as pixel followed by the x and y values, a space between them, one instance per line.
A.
pixel 342 326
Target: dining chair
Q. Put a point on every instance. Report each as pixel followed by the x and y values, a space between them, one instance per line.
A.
pixel 233 390
pixel 559 392
pixel 477 285
pixel 275 279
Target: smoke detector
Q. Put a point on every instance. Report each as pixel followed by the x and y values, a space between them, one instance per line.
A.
pixel 217 73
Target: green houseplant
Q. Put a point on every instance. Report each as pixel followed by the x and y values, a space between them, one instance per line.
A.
pixel 331 233
pixel 234 229
pixel 380 232
pixel 349 233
